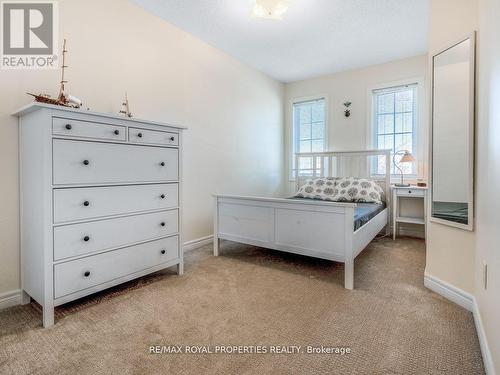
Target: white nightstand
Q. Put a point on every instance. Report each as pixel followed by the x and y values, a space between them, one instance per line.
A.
pixel 413 192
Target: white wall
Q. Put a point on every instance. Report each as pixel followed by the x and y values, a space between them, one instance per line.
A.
pixel 451 251
pixel 234 113
pixel 488 176
pixel 351 133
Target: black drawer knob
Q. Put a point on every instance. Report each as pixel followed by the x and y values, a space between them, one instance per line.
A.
pixel 139 135
pixel 172 139
pixel 68 126
pixel 162 163
pixel 163 251
pixel 86 162
pixel 86 273
pixel 162 224
pixel 162 196
pixel 86 203
pixel 409 191
pixel 86 238
pixel 116 132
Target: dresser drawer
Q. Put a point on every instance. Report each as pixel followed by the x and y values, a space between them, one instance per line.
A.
pixel 80 162
pixel 137 135
pixel 88 203
pixel 79 239
pixel 85 129
pixel 80 274
pixel 409 192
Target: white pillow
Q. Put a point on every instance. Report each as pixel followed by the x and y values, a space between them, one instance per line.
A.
pixel 318 188
pixel 352 189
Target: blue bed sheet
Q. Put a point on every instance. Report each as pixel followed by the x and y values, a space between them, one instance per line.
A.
pixel 363 212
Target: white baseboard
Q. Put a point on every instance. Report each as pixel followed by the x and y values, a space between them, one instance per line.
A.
pixel 411 233
pixel 468 302
pixel 407 231
pixel 9 299
pixel 449 291
pixel 483 341
pixel 199 242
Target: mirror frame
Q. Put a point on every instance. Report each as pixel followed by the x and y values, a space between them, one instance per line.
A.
pixel 472 115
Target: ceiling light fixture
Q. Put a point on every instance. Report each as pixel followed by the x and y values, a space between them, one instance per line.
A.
pixel 271 9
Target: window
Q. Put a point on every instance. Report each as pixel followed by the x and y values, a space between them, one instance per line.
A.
pixel 309 130
pixel 395 125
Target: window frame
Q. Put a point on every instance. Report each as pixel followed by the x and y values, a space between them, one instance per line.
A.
pixel 418 136
pixel 292 129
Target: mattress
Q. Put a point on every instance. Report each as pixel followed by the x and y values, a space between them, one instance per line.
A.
pixel 363 212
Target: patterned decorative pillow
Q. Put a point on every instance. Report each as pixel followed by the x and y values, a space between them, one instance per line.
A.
pixel 352 189
pixel 318 188
pixel 380 191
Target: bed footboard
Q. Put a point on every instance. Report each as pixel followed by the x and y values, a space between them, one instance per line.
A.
pixel 317 229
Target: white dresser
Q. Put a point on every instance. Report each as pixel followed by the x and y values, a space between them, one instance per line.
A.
pixel 100 202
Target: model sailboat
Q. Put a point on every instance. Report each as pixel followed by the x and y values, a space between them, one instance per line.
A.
pixel 63 99
pixel 125 107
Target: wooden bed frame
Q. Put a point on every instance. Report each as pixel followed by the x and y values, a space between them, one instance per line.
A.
pixel 314 228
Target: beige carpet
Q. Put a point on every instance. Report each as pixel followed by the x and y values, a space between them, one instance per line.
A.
pixel 249 296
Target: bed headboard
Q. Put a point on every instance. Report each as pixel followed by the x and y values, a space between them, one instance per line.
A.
pixel 345 164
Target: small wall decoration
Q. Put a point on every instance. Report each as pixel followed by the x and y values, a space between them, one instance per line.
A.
pixel 347 111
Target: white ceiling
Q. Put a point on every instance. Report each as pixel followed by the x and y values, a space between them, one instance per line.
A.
pixel 315 37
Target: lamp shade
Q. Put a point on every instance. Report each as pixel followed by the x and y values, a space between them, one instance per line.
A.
pixel 407 158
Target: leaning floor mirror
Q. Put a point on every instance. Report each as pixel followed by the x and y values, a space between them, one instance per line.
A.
pixel 452 135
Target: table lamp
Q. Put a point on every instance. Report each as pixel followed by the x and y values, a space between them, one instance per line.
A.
pixel 407 158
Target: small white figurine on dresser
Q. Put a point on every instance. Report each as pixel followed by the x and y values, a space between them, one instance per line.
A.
pixel 100 202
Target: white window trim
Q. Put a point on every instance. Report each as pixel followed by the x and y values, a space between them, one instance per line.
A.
pixel 420 131
pixel 290 126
